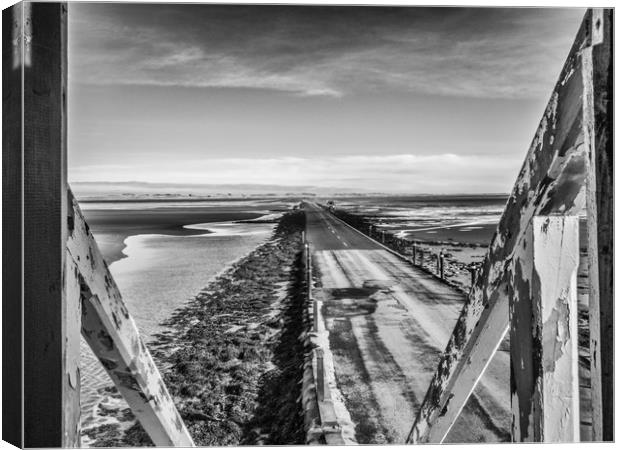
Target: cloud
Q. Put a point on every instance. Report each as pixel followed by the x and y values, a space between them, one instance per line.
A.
pixel 443 173
pixel 326 51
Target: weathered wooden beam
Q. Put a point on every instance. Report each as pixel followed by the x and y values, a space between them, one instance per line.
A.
pixel 550 182
pixel 12 236
pixel 544 373
pixel 112 334
pixel 51 376
pixel 598 124
pixel 73 321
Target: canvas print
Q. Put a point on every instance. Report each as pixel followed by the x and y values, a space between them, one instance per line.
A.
pixel 229 224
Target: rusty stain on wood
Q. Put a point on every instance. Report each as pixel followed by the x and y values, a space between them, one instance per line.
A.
pixel 550 182
pixel 112 334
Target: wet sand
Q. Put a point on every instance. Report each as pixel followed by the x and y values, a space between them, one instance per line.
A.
pixel 112 226
pixel 232 359
pixel 149 231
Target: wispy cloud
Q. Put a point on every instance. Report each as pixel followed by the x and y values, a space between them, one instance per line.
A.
pixel 443 173
pixel 502 53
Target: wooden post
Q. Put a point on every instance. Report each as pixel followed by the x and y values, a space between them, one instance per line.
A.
pixel 597 72
pixel 472 273
pixel 413 254
pixel 543 320
pixel 440 264
pixel 12 221
pixel 38 59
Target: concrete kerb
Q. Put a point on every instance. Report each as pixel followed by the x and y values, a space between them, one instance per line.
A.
pixel 320 418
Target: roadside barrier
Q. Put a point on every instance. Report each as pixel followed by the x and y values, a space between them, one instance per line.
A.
pixel 331 429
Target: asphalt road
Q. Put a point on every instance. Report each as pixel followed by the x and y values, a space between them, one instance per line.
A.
pixel 388 323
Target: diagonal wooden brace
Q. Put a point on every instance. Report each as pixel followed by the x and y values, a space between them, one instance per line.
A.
pixel 551 182
pixel 112 334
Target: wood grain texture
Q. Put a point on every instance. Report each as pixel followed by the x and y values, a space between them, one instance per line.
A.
pixel 598 123
pixel 114 338
pixel 550 182
pixel 12 213
pixel 51 400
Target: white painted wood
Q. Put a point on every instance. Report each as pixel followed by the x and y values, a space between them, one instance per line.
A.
pixel 556 262
pixel 547 388
pixel 551 182
pixel 112 334
pixel 71 386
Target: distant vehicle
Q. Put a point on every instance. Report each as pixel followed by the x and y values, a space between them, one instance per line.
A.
pixel 330 205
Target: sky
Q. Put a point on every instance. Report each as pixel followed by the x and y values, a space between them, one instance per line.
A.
pixel 376 99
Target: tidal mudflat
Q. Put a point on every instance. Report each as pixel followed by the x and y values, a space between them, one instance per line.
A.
pixel 231 356
pixel 162 254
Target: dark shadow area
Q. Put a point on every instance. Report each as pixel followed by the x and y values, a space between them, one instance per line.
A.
pixel 278 419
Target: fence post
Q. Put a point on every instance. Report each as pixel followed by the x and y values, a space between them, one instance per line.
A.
pixel 597 74
pixel 440 262
pixel 472 273
pixel 543 320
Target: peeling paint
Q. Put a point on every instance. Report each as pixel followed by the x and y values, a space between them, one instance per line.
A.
pixel 111 332
pixel 556 335
pixel 551 181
